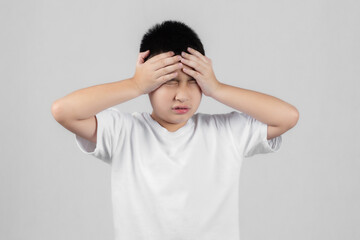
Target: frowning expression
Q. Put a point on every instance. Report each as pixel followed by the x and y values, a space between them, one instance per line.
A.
pixel 175 101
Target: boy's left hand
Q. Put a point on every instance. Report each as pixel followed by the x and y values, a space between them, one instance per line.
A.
pixel 202 71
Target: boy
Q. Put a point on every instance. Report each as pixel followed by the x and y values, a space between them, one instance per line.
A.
pixel 174 172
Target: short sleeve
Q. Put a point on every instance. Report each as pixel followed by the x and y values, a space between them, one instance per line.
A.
pixel 109 124
pixel 250 135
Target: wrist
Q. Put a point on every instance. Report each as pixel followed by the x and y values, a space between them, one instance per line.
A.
pixel 135 85
pixel 217 90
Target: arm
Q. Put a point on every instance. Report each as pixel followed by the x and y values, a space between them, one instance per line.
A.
pixel 87 102
pixel 277 114
pixel 76 111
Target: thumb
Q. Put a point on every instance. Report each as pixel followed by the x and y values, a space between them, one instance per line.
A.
pixel 142 56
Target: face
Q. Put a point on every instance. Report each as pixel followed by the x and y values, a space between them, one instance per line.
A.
pixel 180 91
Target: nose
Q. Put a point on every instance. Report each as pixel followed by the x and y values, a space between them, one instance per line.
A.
pixel 182 93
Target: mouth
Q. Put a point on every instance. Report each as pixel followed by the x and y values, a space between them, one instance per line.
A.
pixel 181 109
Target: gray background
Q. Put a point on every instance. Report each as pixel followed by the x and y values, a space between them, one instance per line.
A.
pixel 303 52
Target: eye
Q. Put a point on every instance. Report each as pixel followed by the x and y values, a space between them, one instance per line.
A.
pixel 192 81
pixel 172 82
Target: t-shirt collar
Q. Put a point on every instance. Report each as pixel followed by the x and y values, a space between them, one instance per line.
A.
pixel 163 131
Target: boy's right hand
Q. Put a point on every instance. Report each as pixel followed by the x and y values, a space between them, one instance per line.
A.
pixel 155 71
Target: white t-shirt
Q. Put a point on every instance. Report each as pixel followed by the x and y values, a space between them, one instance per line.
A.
pixel 181 185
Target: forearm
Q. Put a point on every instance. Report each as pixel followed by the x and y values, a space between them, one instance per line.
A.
pixel 89 101
pixel 263 107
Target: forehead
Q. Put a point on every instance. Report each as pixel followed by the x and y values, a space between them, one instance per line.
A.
pixel 182 77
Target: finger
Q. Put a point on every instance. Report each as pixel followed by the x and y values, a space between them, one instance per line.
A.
pixel 161 56
pixel 197 53
pixel 196 64
pixel 193 58
pixel 167 77
pixel 166 61
pixel 142 56
pixel 168 69
pixel 191 72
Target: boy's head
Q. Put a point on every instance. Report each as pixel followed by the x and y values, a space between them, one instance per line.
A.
pixel 170 36
pixel 181 91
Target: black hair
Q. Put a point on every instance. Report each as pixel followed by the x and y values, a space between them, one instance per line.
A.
pixel 170 35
